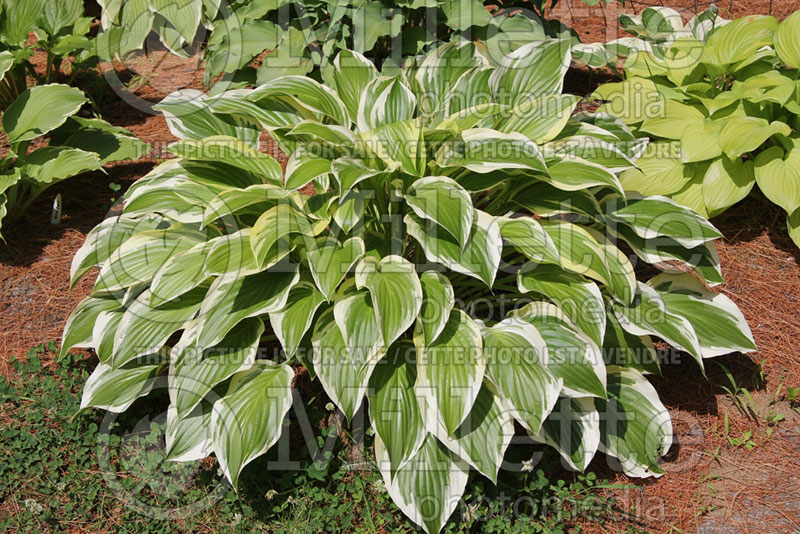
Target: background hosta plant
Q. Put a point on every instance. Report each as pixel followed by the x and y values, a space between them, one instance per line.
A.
pixel 723 116
pixel 413 279
pixel 65 144
pixel 61 31
pixel 303 36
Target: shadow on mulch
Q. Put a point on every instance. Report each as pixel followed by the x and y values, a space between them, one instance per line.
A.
pixel 86 200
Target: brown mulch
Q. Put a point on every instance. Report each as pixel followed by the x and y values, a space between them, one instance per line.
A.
pixel 760 265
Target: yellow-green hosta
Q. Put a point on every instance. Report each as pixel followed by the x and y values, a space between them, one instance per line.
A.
pixel 721 111
pixel 414 279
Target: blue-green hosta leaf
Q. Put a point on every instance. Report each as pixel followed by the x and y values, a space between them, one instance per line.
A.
pixel 233 298
pixel 40 110
pixel 738 40
pixel 139 258
pixel 573 429
pixel 393 406
pixel 740 135
pixel 572 356
pixel 450 370
pixel 115 389
pixel 463 14
pixel 189 118
pixel 540 119
pixel 106 237
pixel 527 234
pixel 659 216
pixel 80 323
pixel 248 420
pixel 188 438
pixel 352 72
pixel 52 164
pixel 720 326
pixel 787 40
pixel 579 298
pixel 533 70
pixel 372 20
pixel 485 150
pixel 231 201
pixel 443 201
pixel 396 293
pixel 778 176
pixel 278 222
pixel 330 262
pixel 344 375
pixel 483 437
pixel 637 428
pixel 481 257
pixel 291 323
pixel 578 250
pixel 144 330
pixel 308 94
pixel 195 370
pixel 231 151
pixel 438 299
pixel 516 363
pixel 429 486
pixel 649 315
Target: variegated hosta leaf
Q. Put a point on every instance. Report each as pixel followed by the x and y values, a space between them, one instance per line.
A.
pixel 533 70
pixel 344 374
pixel 233 298
pixel 636 427
pixel 485 150
pixel 649 315
pixel 483 437
pixel 80 323
pixel 430 485
pixel 276 223
pixel 720 326
pixel 115 389
pixel 352 72
pixel 481 257
pixel 189 437
pixel 195 370
pixel 516 363
pixel 579 298
pixel 438 299
pixel 396 293
pixel 393 405
pixel 443 201
pixel 330 261
pixel 527 234
pixel 230 151
pixel 292 322
pixel 247 420
pixel 573 429
pixel 307 93
pixel 571 355
pixel 450 370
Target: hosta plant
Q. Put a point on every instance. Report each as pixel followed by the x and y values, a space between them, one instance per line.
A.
pixel 447 248
pixel 61 31
pixel 301 36
pixel 722 116
pixel 49 142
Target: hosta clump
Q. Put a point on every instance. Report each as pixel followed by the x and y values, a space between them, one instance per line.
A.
pixel 413 278
pixel 66 145
pixel 722 110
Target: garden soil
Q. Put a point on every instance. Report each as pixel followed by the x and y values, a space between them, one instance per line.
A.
pixel 733 468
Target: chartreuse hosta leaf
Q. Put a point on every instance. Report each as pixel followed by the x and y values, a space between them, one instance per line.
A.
pixel 464 262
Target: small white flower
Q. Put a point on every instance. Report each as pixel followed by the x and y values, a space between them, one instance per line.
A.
pixel 271 494
pixel 379 486
pixel 291 500
pixel 329 407
pixel 237 517
pixel 471 512
pixel 33 506
pixel 527 466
